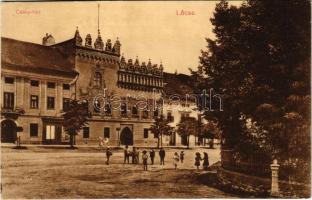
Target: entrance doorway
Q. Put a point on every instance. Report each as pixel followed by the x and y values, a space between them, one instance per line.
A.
pixel 8 131
pixel 126 136
pixel 52 134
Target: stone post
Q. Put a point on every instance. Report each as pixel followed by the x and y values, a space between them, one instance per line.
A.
pixel 274 183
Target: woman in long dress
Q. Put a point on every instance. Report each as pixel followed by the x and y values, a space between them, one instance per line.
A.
pixel 206 161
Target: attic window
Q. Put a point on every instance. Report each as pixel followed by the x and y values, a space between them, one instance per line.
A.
pixel 51 85
pixel 9 80
pixel 34 83
pixel 66 86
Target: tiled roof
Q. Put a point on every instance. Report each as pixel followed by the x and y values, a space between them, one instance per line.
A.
pixel 26 56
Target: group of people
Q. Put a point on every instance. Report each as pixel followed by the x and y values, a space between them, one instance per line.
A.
pixel 198 159
pixel 134 154
pixel 177 157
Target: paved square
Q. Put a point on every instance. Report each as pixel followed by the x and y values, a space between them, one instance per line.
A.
pixel 62 173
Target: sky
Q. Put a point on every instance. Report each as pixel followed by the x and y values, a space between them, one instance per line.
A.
pixel 149 30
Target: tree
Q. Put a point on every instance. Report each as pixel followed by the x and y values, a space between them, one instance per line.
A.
pixel 161 127
pixel 210 131
pixel 188 126
pixel 259 63
pixel 75 118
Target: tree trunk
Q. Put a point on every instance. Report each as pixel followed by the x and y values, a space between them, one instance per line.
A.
pixel 71 140
pixel 158 141
pixel 161 141
pixel 188 142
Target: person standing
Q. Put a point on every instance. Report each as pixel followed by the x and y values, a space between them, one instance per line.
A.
pixel 100 141
pixel 144 158
pixel 109 153
pixel 175 160
pixel 197 159
pixel 182 156
pixel 162 155
pixel 135 156
pixel 206 161
pixel 152 155
pixel 126 155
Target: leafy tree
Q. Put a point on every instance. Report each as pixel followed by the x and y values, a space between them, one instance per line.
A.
pixel 161 127
pixel 210 131
pixel 259 63
pixel 75 118
pixel 188 126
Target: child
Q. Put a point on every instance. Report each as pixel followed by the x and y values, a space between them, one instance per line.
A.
pixel 206 161
pixel 182 156
pixel 100 141
pixel 144 158
pixel 108 155
pixel 197 160
pixel 175 160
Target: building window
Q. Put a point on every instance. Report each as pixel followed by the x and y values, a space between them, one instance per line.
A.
pixel 51 85
pixel 135 111
pixel 156 113
pixel 123 110
pixel 66 102
pixel 50 132
pixel 50 103
pixel 34 101
pixel 185 115
pixel 9 80
pixel 8 100
pixel 97 80
pixel 34 83
pixel 145 113
pixel 170 118
pixel 86 132
pixel 106 132
pixel 108 109
pixel 66 86
pixel 33 130
pixel 146 133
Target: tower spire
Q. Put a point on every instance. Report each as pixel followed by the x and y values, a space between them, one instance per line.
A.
pixel 99 44
pixel 98 17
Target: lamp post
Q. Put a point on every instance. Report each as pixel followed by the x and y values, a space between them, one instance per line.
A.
pixel 118 141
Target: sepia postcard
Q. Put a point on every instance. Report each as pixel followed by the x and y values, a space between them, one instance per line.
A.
pixel 155 99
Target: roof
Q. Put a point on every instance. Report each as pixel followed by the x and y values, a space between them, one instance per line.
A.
pixel 26 56
pixel 179 84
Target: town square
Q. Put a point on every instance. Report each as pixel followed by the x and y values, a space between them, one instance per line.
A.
pixel 82 173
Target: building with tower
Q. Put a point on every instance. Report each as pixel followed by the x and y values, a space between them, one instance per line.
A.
pixel 38 81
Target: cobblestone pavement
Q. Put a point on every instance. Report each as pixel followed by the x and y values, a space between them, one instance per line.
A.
pixel 63 173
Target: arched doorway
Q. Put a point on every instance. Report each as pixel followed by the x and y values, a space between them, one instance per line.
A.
pixel 126 136
pixel 8 131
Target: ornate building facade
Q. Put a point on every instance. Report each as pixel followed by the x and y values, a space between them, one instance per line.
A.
pixel 38 81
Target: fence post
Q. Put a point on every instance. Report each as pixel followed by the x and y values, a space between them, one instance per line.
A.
pixel 274 183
